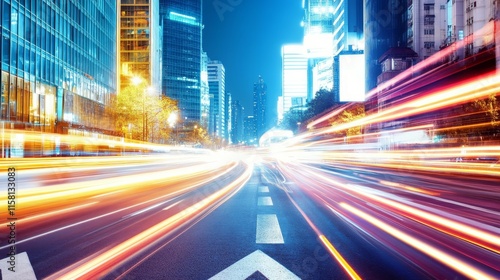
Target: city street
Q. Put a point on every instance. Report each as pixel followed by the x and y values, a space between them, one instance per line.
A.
pixel 224 215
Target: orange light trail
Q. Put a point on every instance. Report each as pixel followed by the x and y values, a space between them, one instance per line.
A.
pixel 110 258
pixel 328 245
pixel 447 259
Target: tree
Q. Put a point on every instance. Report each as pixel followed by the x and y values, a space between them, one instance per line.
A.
pixel 140 115
pixel 291 120
pixel 198 135
pixel 295 117
pixel 323 101
pixel 353 112
pixel 477 120
pixel 158 124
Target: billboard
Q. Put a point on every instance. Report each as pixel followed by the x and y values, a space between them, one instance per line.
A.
pixel 351 77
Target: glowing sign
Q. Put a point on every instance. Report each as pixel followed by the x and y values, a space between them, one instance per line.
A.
pixel 351 70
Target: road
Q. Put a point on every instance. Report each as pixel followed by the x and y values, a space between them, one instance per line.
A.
pixel 224 215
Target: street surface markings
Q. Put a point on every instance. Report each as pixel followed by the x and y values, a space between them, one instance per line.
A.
pixel 255 262
pixel 268 230
pixel 265 201
pixel 263 189
pixel 21 265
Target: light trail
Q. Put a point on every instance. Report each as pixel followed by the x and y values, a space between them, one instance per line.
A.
pixel 326 243
pixel 443 257
pixel 331 189
pixel 106 260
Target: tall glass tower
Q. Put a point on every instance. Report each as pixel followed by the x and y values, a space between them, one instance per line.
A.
pixel 217 90
pixel 58 64
pixel 294 77
pixel 385 26
pixel 181 63
pixel 139 43
pixel 259 107
pixel 318 40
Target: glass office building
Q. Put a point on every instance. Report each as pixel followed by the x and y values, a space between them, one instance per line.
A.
pixel 181 62
pixel 294 77
pixel 217 91
pixel 139 43
pixel 262 123
pixel 58 64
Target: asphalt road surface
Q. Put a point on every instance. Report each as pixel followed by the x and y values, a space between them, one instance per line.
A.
pixel 231 216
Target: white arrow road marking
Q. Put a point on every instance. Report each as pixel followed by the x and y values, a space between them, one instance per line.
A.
pixel 17 267
pixel 268 230
pixel 256 261
pixel 263 189
pixel 265 201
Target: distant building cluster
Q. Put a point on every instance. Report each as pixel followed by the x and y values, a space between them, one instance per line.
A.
pixel 63 61
pixel 351 47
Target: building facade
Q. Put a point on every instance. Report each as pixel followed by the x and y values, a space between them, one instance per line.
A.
pixel 385 26
pixel 228 113
pixel 348 26
pixel 58 65
pixel 181 22
pixel 205 92
pixel 217 89
pixel 139 43
pixel 294 78
pixel 237 127
pixel 318 39
pixel 323 75
pixel 250 131
pixel 259 107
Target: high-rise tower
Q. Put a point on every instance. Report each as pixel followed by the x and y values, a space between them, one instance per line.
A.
pixel 259 107
pixel 139 43
pixel 385 26
pixel 294 78
pixel 181 22
pixel 217 89
pixel 58 62
pixel 318 41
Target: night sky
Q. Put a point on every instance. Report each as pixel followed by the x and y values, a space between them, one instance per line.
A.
pixel 247 39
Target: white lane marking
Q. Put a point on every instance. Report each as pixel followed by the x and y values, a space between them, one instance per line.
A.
pixel 256 261
pixel 265 201
pixel 268 230
pixel 263 189
pixel 17 267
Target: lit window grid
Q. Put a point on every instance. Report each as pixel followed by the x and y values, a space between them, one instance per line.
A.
pixel 182 58
pixel 135 41
pixel 56 46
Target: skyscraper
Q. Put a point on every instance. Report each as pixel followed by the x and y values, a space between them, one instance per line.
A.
pixel 318 28
pixel 58 65
pixel 348 26
pixel 217 89
pixel 259 107
pixel 228 113
pixel 181 22
pixel 237 127
pixel 139 43
pixel 294 77
pixel 385 26
pixel 318 39
pixel 205 91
